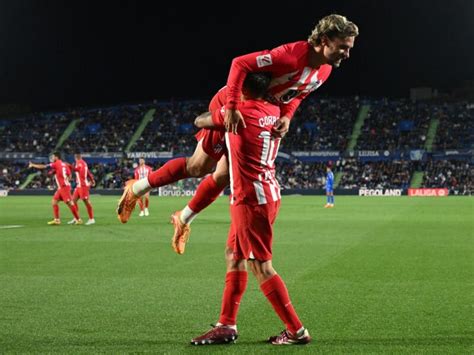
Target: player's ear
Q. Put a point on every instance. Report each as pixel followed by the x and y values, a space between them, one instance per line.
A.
pixel 324 40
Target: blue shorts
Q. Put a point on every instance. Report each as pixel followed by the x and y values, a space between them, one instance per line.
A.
pixel 328 190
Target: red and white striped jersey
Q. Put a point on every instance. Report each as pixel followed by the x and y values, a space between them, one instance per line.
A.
pixel 83 174
pixel 292 78
pixel 252 154
pixel 61 173
pixel 142 172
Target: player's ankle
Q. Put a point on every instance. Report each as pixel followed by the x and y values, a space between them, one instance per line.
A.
pixel 187 215
pixel 231 326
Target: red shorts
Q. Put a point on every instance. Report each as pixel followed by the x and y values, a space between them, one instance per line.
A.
pixel 213 142
pixel 81 193
pixel 63 194
pixel 251 230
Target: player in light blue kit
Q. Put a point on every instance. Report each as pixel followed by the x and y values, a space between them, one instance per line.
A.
pixel 329 187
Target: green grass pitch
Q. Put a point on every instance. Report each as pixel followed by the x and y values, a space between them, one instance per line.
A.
pixel 373 275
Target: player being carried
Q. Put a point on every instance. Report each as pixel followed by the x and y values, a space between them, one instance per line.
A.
pixel 297 69
pixel 63 193
pixel 84 181
pixel 255 201
pixel 141 172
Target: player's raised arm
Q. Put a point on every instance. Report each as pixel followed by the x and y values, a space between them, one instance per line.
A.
pixel 266 60
pixel 37 166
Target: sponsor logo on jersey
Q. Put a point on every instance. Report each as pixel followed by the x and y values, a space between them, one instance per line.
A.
pixel 264 60
pixel 218 148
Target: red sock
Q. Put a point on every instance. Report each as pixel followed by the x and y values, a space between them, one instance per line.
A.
pixel 140 203
pixel 206 193
pixel 147 202
pixel 276 292
pixel 56 211
pixel 172 171
pixel 235 285
pixel 90 211
pixel 73 209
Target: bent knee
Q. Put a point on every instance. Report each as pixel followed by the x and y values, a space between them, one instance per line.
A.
pixel 221 179
pixel 261 271
pixel 197 168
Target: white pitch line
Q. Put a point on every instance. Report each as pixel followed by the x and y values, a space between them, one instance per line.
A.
pixel 11 226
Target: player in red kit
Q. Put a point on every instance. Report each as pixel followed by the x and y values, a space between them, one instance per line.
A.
pixel 84 181
pixel 141 172
pixel 297 69
pixel 255 201
pixel 63 193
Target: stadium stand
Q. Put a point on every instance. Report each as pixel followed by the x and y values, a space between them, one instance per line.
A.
pixel 394 174
pixel 456 175
pixel 396 124
pixel 34 133
pixel 172 128
pixel 394 132
pixel 322 124
pixel 105 130
pixel 456 128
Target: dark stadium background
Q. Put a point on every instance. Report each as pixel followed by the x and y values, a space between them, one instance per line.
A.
pixel 56 54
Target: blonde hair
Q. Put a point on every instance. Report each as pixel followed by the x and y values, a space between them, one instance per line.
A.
pixel 333 26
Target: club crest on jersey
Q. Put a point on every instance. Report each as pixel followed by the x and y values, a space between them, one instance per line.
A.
pixel 264 60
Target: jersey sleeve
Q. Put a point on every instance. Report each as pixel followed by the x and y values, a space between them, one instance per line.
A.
pixel 135 174
pixel 270 61
pixel 290 108
pixel 89 174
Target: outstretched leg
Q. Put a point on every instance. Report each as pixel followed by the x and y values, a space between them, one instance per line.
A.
pixel 199 164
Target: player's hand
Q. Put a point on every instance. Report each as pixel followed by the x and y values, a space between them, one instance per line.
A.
pixel 282 125
pixel 30 164
pixel 93 183
pixel 232 120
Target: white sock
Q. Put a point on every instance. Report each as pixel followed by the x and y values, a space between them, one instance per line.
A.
pixel 141 187
pixel 234 326
pixel 187 215
pixel 300 332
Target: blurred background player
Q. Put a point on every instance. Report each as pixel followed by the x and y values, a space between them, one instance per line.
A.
pixel 141 172
pixel 84 180
pixel 329 186
pixel 63 193
pixel 297 69
pixel 254 207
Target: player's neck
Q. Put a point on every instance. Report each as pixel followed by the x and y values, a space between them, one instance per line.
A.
pixel 316 57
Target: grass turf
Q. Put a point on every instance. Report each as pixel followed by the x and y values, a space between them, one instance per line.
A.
pixel 373 275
